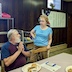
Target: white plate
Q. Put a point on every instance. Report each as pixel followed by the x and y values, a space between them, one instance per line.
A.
pixel 67 68
pixel 25 68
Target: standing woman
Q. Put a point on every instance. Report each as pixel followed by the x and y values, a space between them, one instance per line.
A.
pixel 42 35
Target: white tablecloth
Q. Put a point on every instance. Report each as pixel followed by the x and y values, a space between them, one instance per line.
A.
pixel 62 60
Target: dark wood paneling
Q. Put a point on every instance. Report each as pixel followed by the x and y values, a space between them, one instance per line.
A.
pixel 65 6
pixel 59 36
pixel 69 8
pixel 3 38
pixel 69 31
pixel 26 15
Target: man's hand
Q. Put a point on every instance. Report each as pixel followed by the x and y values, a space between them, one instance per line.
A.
pixel 20 47
pixel 22 50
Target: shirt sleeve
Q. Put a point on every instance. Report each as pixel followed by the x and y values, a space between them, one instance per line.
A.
pixel 35 28
pixel 4 52
pixel 51 31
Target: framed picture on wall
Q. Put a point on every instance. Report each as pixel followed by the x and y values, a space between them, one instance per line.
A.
pixel 54 4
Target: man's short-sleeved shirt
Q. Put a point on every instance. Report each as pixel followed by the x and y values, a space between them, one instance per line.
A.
pixel 9 49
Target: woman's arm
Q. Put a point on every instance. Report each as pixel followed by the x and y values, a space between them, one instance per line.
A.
pixel 32 33
pixel 50 41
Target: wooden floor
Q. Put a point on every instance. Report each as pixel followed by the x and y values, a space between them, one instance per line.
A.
pixel 67 50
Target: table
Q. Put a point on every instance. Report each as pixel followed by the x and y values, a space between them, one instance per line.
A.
pixel 62 59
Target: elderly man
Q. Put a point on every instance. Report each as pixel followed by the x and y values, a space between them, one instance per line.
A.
pixel 13 52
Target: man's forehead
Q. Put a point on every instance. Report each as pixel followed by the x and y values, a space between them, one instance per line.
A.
pixel 15 32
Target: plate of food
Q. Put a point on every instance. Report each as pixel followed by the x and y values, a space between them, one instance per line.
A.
pixel 31 67
pixel 69 69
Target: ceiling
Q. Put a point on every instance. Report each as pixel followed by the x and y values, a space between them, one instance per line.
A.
pixel 68 0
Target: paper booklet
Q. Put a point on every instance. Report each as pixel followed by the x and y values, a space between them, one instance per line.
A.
pixel 51 66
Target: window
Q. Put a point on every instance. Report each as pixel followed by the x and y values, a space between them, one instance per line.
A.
pixel 56 4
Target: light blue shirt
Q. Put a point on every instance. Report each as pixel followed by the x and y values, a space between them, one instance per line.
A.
pixel 41 36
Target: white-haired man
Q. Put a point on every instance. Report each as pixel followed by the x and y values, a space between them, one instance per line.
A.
pixel 14 55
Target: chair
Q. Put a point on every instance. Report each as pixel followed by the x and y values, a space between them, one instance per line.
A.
pixel 2 66
pixel 40 50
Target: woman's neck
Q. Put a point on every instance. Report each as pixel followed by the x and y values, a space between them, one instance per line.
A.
pixel 44 27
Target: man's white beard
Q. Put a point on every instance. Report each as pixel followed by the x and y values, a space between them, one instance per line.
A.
pixel 17 40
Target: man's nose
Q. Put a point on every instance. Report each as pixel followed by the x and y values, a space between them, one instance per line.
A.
pixel 19 35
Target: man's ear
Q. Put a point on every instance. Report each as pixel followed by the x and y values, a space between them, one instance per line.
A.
pixel 13 37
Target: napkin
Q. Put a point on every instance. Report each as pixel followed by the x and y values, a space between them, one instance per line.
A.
pixel 51 66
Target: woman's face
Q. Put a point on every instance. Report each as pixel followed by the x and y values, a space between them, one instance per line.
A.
pixel 42 21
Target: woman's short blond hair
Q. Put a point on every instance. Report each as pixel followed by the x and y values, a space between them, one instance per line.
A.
pixel 45 17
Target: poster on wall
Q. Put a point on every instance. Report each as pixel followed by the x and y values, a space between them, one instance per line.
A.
pixel 56 19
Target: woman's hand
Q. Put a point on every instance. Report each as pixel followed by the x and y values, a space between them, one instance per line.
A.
pixel 32 33
pixel 48 47
pixel 33 36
